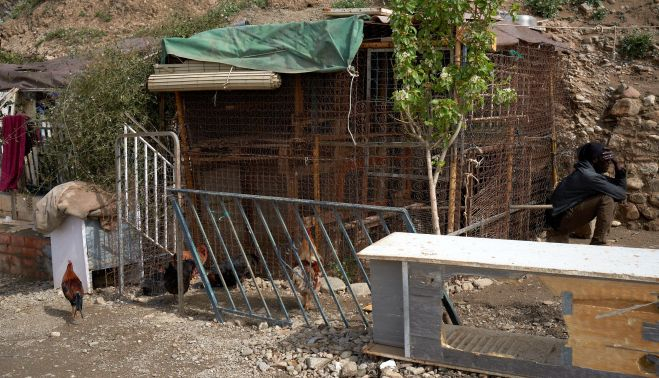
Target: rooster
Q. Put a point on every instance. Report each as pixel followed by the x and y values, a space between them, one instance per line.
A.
pixel 312 268
pixel 72 289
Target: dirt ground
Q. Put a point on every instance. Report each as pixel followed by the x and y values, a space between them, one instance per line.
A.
pixel 144 336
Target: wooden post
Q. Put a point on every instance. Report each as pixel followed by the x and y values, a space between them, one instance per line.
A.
pixel 453 170
pixel 316 175
pixel 510 140
pixel 452 190
pixel 185 146
pixel 554 168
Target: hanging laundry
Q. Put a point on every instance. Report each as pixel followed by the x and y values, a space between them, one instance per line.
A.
pixel 14 135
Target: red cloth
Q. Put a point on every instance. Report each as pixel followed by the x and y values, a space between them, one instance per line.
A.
pixel 14 135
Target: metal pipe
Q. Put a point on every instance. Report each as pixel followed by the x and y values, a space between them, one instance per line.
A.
pixel 322 268
pixel 340 265
pixel 242 252
pixel 283 265
pixel 299 262
pixel 339 221
pixel 195 255
pixel 263 261
pixel 211 252
pixel 483 222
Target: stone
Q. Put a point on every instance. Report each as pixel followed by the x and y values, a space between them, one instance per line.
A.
pixel 629 211
pixel 627 122
pixel 626 107
pixel 653 199
pixel 55 334
pixel 634 183
pixel 99 300
pixel 631 92
pixel 653 185
pixel 349 369
pixel 616 223
pixel 391 373
pixel 467 286
pixel 652 116
pixel 637 198
pixel 586 9
pixel 649 100
pixel 263 325
pixel 616 141
pixel 360 289
pixel 346 354
pixel 647 212
pixel 315 363
pixel 262 366
pixel 415 370
pixel 246 351
pixel 653 226
pixel 388 364
pixel 483 283
pixel 650 124
pixel 336 284
pixel 648 168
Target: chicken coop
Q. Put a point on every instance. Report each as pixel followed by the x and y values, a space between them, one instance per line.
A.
pixel 307 114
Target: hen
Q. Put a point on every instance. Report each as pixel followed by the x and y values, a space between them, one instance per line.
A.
pixel 229 278
pixel 72 289
pixel 189 270
pixel 312 268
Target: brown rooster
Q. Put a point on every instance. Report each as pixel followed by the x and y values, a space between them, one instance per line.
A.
pixel 312 268
pixel 189 270
pixel 72 289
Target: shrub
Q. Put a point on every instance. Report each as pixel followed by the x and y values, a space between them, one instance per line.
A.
pixel 600 13
pixel 636 45
pixel 544 8
pixel 8 57
pixel 24 7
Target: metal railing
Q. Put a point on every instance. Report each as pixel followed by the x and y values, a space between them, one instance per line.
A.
pixel 147 164
pixel 271 242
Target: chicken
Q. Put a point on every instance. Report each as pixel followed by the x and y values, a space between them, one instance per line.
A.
pixel 189 270
pixel 229 278
pixel 312 268
pixel 72 289
pixel 171 279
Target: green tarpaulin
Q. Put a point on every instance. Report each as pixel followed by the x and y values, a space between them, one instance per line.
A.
pixel 322 46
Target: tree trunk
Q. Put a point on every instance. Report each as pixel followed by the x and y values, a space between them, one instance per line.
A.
pixel 432 191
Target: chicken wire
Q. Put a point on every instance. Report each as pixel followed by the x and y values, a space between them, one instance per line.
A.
pixel 332 137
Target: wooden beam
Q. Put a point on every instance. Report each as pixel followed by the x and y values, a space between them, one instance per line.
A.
pixel 377 45
pixel 453 172
pixel 185 146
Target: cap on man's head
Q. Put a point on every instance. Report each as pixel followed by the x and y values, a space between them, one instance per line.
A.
pixel 590 151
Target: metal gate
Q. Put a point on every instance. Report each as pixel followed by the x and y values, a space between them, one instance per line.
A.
pixel 269 256
pixel 147 164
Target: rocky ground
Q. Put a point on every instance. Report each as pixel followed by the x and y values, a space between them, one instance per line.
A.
pixel 145 336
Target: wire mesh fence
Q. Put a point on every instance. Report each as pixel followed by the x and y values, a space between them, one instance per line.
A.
pixel 332 137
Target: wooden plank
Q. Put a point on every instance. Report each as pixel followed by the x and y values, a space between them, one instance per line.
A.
pixel 610 344
pixel 377 45
pixel 546 350
pixel 425 284
pixel 505 367
pixel 597 289
pixel 387 300
pixel 344 12
pixel 633 264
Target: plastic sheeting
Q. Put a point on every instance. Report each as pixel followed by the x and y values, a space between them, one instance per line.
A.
pixel 322 46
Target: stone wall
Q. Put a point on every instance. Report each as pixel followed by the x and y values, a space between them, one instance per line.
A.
pixel 634 136
pixel 27 254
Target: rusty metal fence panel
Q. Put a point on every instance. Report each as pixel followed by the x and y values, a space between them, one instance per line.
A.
pixel 259 248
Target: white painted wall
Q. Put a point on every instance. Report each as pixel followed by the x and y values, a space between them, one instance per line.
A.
pixel 68 242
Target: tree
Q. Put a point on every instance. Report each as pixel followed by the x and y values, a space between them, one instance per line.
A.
pixel 434 98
